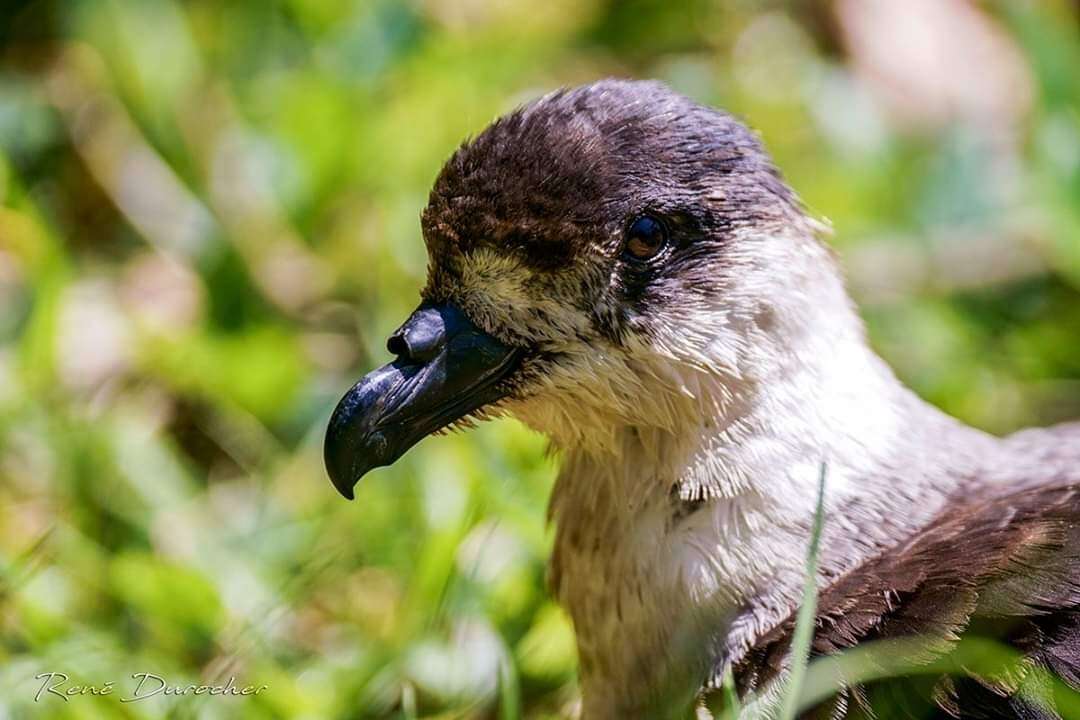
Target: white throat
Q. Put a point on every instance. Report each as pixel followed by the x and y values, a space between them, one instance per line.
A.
pixel 680 542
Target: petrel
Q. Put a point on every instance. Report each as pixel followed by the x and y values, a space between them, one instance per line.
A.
pixel 626 271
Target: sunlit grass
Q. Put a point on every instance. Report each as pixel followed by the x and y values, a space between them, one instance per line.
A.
pixel 805 620
pixel 209 224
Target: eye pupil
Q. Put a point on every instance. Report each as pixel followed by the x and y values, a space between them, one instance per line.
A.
pixel 645 237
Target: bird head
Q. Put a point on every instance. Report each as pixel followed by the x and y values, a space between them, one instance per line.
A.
pixel 595 257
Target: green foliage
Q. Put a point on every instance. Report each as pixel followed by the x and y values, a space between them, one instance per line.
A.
pixel 209 224
pixel 804 625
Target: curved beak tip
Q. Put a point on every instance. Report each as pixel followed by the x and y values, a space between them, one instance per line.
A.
pixel 341 475
pixel 391 408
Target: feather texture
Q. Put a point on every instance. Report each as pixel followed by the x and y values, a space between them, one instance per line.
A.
pixel 692 398
pixel 1004 569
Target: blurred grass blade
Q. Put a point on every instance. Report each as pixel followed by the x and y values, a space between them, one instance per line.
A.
pixel 804 626
pixel 408 701
pixel 731 695
pixel 509 688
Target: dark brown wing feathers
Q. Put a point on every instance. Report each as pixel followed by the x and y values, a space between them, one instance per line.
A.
pixel 1006 570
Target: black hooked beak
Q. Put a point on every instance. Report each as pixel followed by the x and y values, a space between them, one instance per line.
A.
pixel 446 368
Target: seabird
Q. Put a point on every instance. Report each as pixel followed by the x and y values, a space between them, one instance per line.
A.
pixel 626 271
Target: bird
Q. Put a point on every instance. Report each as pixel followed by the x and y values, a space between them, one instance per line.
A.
pixel 627 272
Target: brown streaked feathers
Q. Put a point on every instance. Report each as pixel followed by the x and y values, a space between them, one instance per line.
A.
pixel 1005 569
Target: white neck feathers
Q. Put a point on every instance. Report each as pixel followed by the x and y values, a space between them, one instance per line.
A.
pixel 696 518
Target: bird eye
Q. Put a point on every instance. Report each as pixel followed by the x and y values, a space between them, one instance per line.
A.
pixel 645 237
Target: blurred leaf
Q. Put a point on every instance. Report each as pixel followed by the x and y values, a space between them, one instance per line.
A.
pixel 176 604
pixel 548 651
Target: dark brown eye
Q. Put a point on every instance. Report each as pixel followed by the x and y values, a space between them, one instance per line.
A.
pixel 645 237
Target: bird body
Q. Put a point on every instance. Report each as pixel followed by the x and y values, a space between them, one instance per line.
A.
pixel 626 272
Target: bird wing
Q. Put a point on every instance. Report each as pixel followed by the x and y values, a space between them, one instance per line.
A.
pixel 988 600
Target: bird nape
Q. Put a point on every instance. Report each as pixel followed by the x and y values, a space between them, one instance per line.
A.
pixel 626 272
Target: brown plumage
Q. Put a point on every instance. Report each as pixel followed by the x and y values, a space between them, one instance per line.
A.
pixel 1004 569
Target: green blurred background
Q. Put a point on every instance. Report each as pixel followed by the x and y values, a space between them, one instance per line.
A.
pixel 209 225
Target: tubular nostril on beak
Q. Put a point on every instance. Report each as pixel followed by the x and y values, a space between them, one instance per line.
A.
pixel 421 337
pixel 396 345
